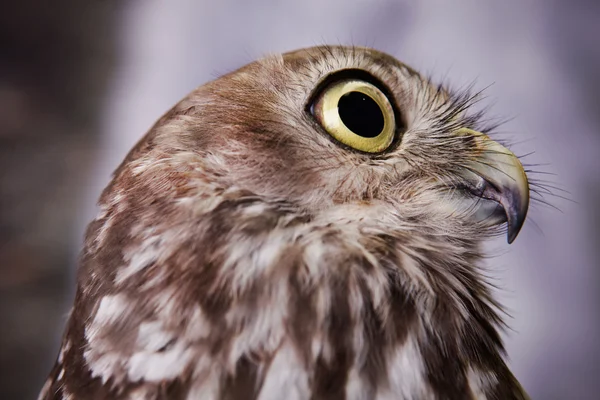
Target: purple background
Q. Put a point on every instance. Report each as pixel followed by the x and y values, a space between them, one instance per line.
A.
pixel 82 83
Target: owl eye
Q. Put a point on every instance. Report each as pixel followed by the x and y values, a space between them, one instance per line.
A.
pixel 357 114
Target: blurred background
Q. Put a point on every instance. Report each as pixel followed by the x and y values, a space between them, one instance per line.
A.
pixel 81 82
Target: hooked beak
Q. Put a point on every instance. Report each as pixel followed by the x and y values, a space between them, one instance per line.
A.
pixel 497 174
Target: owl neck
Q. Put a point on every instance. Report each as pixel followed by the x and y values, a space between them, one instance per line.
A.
pixel 246 274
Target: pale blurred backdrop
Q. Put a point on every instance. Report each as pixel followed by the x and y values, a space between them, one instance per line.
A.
pixel 81 82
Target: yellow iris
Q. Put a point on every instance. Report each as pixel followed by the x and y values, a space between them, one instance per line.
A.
pixel 359 125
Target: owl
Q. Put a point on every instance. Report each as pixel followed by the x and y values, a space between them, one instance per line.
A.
pixel 309 226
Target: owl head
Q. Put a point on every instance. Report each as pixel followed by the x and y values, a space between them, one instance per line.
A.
pixel 350 130
pixel 303 226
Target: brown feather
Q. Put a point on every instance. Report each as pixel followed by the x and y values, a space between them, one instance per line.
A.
pixel 240 253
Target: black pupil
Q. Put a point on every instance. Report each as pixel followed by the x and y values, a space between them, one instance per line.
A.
pixel 361 114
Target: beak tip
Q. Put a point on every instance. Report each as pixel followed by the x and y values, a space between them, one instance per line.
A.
pixel 515 223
